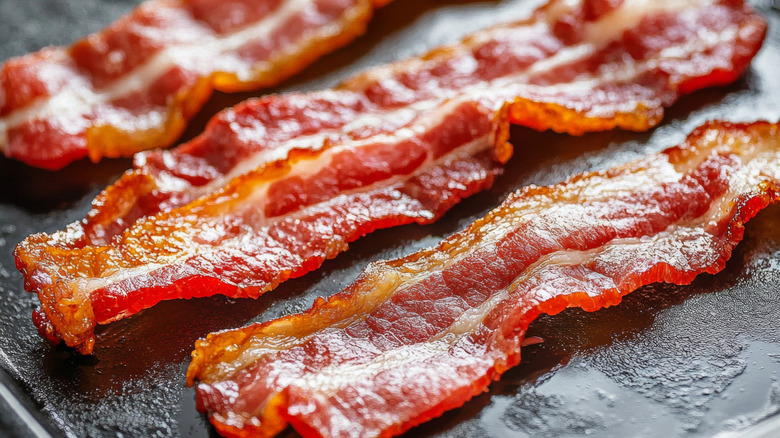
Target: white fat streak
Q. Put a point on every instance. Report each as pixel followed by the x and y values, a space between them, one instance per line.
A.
pixel 259 195
pixel 309 167
pixel 317 140
pixel 78 98
pixel 327 381
pixel 598 188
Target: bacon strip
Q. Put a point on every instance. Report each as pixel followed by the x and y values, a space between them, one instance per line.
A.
pixel 416 336
pixel 134 85
pixel 276 186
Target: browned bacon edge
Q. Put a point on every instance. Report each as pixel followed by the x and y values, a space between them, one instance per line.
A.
pixel 62 104
pixel 416 336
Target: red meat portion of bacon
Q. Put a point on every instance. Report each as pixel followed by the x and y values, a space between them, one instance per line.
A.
pixel 416 336
pixel 134 85
pixel 202 219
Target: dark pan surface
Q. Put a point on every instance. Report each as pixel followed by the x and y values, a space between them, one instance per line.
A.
pixel 691 361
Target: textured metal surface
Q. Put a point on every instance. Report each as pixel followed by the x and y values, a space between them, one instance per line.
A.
pixel 697 360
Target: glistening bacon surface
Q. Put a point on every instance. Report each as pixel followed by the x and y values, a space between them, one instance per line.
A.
pixel 205 218
pixel 413 337
pixel 134 85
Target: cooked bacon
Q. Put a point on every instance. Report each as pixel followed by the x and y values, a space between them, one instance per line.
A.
pixel 134 85
pixel 277 185
pixel 416 336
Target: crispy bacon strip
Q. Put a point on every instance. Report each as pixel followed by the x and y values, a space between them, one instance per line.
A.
pixel 416 336
pixel 134 85
pixel 276 186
